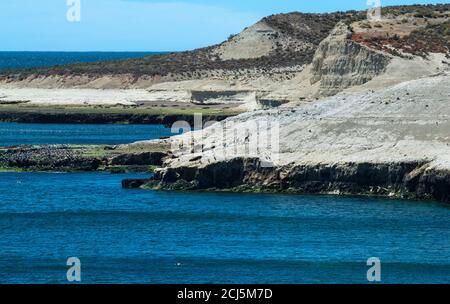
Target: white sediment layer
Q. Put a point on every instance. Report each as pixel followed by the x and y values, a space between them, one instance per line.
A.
pixel 39 96
pixel 407 122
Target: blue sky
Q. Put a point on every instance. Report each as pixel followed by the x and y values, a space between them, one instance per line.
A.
pixel 144 25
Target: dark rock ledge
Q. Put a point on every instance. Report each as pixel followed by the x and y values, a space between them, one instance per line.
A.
pixel 102 118
pixel 409 180
pixel 77 158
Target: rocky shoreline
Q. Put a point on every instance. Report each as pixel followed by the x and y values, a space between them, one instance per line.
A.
pixel 69 158
pixel 393 142
pixel 406 180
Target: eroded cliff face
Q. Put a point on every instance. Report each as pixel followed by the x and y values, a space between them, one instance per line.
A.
pixel 340 63
pixel 413 180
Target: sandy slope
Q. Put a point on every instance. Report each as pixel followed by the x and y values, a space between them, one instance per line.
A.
pixel 407 122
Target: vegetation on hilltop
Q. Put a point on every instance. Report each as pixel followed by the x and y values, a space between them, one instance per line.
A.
pixel 434 38
pixel 420 11
pixel 309 28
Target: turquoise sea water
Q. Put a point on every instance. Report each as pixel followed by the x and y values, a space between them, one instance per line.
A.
pixel 13 60
pixel 12 134
pixel 135 236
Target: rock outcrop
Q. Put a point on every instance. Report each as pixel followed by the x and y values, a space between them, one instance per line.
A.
pixel 79 158
pixel 412 180
pixel 394 142
pixel 223 97
pixel 139 159
pixel 340 63
pixel 45 158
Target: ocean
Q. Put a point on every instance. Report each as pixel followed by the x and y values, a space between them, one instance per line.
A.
pixel 135 236
pixel 15 60
pixel 12 134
